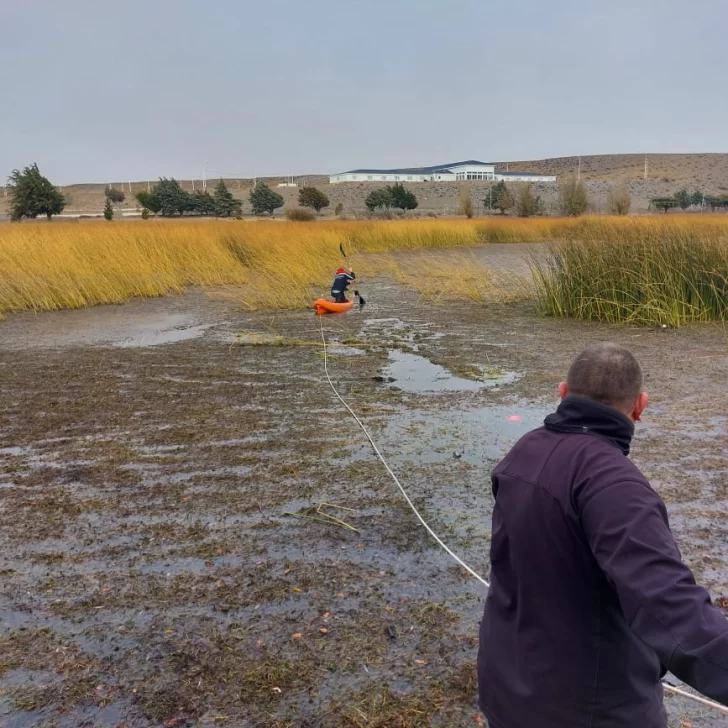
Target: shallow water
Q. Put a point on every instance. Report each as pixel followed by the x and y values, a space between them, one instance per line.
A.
pixel 414 373
pixel 139 323
pixel 475 436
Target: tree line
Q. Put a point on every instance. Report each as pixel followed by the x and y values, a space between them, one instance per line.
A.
pixel 685 200
pixel 32 195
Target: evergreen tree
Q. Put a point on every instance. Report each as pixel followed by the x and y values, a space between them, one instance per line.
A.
pixel 149 200
pixel 172 198
pixel 108 209
pixel 715 201
pixel 312 197
pixel 683 199
pixel 664 203
pixel 203 203
pixel 500 198
pixel 402 198
pixel 379 198
pixel 32 194
pixel 263 199
pixel 225 203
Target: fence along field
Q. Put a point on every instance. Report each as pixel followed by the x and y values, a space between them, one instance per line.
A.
pixel 647 270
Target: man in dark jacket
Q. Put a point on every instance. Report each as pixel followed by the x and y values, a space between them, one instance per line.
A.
pixel 590 602
pixel 340 284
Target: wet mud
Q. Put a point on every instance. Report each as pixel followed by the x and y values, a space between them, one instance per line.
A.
pixel 167 486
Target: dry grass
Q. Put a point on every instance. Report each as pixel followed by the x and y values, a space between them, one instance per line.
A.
pixel 457 276
pixel 285 265
pixel 271 264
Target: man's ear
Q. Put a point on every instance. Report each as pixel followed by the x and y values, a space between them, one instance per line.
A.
pixel 639 406
pixel 563 390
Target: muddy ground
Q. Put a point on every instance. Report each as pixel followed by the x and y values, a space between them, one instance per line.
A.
pixel 166 559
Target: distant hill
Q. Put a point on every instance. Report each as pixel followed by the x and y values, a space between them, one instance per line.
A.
pixel 667 173
pixel 683 170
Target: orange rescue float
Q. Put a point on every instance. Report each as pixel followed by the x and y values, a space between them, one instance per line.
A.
pixel 322 306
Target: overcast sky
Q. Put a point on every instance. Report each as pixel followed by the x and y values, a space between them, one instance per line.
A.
pixel 104 91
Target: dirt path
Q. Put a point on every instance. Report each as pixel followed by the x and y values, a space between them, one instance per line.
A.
pixel 153 574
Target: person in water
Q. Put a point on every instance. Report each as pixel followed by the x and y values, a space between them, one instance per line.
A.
pixel 340 284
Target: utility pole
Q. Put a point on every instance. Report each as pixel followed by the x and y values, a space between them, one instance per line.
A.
pixel 204 177
pixel 193 182
pixel 645 166
pixel 578 170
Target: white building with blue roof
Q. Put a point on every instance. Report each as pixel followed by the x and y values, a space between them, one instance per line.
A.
pixel 470 169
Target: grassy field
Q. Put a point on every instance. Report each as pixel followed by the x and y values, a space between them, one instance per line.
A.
pixel 272 264
pixel 669 269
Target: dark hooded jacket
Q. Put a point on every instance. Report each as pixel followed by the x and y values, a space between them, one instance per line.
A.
pixel 590 602
pixel 341 281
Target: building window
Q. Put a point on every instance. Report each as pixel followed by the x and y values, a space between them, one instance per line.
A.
pixel 370 177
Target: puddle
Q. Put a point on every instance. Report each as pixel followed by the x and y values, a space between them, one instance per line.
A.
pixel 153 336
pixel 413 373
pixel 345 350
pixel 13 451
pixel 137 324
pixel 470 436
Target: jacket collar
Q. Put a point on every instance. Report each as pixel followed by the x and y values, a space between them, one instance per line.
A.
pixel 581 415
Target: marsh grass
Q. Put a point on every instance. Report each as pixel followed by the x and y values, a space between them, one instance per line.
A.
pixel 643 272
pixel 667 269
pixel 457 276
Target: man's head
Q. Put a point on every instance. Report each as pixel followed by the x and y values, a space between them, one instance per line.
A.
pixel 610 374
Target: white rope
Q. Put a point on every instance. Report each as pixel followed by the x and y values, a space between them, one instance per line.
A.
pixel 389 470
pixel 665 685
pixel 696 698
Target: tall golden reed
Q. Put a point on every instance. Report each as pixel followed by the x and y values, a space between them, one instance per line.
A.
pixel 273 264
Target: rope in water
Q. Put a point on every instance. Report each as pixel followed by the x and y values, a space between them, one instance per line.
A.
pixel 667 686
pixel 389 470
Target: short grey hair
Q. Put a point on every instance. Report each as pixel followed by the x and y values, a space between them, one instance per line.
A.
pixel 607 373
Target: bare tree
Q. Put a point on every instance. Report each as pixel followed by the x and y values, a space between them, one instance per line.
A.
pixel 619 200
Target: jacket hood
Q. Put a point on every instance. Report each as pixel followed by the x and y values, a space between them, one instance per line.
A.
pixel 581 415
